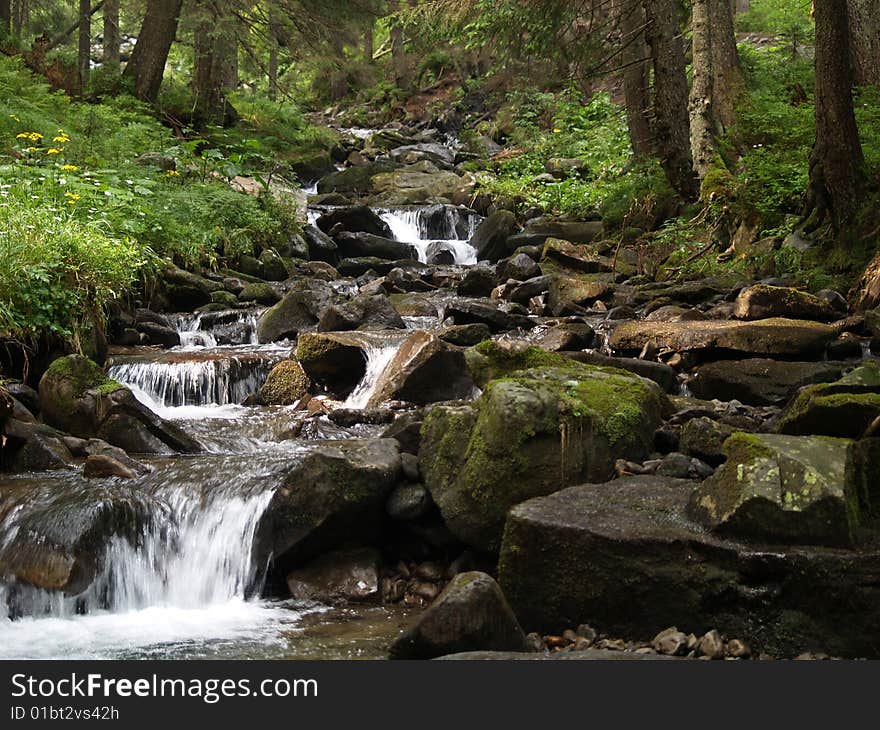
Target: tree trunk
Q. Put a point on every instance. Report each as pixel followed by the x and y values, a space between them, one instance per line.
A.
pixel 20 16
pixel 399 57
pixel 84 56
pixel 864 25
pixel 112 36
pixel 671 123
pixel 700 107
pixel 741 6
pixel 215 64
pixel 636 76
pixel 837 162
pixel 728 85
pixel 5 17
pixel 369 46
pixel 147 64
pixel 273 52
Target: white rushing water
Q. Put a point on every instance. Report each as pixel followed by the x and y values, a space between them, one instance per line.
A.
pixel 451 232
pixel 379 357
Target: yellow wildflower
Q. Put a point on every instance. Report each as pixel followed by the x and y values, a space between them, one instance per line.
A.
pixel 63 139
pixel 13 116
pixel 69 168
pixel 557 130
pixel 54 151
pixel 173 173
pixel 32 136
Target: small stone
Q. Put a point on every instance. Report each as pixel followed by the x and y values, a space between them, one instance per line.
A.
pixel 582 644
pixel 99 466
pixel 738 649
pixel 427 591
pixel 670 642
pixel 711 645
pixel 644 650
pixel 693 642
pixel 535 642
pixel 615 645
pixel 587 632
pixel 556 642
pixel 570 636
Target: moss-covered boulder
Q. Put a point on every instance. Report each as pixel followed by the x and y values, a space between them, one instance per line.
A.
pixel 261 293
pixel 776 337
pixel 762 301
pixel 334 360
pixel 493 359
pixel 357 179
pixel 299 311
pixel 286 384
pixel 529 434
pixel 780 489
pixel 579 257
pixel 78 398
pixel 844 408
pixel 625 558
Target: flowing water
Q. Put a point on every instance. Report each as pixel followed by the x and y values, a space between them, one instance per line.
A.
pixel 182 573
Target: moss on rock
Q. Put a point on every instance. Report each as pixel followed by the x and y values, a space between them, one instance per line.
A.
pixel 286 384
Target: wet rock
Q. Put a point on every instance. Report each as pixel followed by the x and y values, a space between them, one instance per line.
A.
pixel 763 302
pixel 570 295
pixel 495 318
pixel 846 346
pixel 780 489
pixel 334 495
pixel 347 575
pixel 528 290
pixel 320 246
pixel 367 245
pixel 759 381
pixel 682 466
pixel 529 434
pixel 439 253
pixel 225 298
pixel 768 337
pixel 438 154
pixel 76 397
pixel 354 179
pixel 34 447
pixel 711 645
pixel 519 267
pixel 568 337
pixel 704 439
pixel 335 360
pixel 185 290
pixel 25 395
pixel 99 466
pixel 287 383
pixel 625 557
pixel 862 467
pixel 478 281
pixel 157 334
pixel 420 183
pixel 356 267
pixel 465 335
pixel 409 502
pixel 490 238
pixel 578 257
pixel 361 313
pixel 844 408
pixel 661 374
pixel 538 230
pixel 407 431
pixel 471 614
pixel 424 370
pixel 348 417
pixel 264 294
pixel 410 464
pixel 299 311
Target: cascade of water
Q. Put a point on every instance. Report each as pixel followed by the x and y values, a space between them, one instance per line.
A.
pixel 446 228
pixel 217 328
pixel 222 381
pixel 379 357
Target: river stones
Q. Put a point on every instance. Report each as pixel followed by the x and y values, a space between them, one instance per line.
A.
pixel 424 370
pixel 568 337
pixel 762 302
pixel 367 245
pixel 299 311
pixel 358 179
pixel 844 408
pixel 519 267
pixel 32 446
pixel 76 397
pixel 340 576
pixel 287 383
pixel 335 360
pixel 471 614
pixel 422 182
pixel 186 290
pixel 478 281
pixel 780 489
pixel 624 557
pixel 490 238
pixel 361 313
pixel 261 293
pixel 570 295
pixel 776 337
pixel 333 495
pixel 538 230
pixel 759 381
pixel 704 439
pixel 577 257
pixel 492 315
pixel 531 433
pixel 320 246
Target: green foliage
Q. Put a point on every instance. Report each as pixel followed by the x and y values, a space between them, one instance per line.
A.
pixel 788 20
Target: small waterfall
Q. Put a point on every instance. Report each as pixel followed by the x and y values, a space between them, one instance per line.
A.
pixel 379 357
pixel 220 381
pixel 444 226
pixel 210 329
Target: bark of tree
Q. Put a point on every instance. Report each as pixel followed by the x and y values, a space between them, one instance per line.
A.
pixel 112 36
pixel 741 6
pixel 636 76
pixel 671 123
pixel 399 58
pixel 837 161
pixel 215 64
pixel 864 25
pixel 5 17
pixel 369 46
pixel 273 51
pixel 728 84
pixel 147 64
pixel 703 123
pixel 20 16
pixel 84 56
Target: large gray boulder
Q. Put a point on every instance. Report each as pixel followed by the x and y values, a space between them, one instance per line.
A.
pixel 299 311
pixel 356 218
pixel 471 614
pixel 759 381
pixel 490 238
pixel 625 558
pixel 762 301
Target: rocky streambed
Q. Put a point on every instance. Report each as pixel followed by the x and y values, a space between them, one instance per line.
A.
pixel 424 429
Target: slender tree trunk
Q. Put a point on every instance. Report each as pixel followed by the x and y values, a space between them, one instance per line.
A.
pixel 864 25
pixel 671 123
pixel 636 76
pixel 215 64
pixel 112 36
pixel 703 124
pixel 85 43
pixel 273 52
pixel 728 85
pixel 837 161
pixel 741 6
pixel 399 57
pixel 369 46
pixel 147 64
pixel 20 16
pixel 5 17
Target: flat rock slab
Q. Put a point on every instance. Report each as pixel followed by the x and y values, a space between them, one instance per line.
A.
pixel 769 337
pixel 624 558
